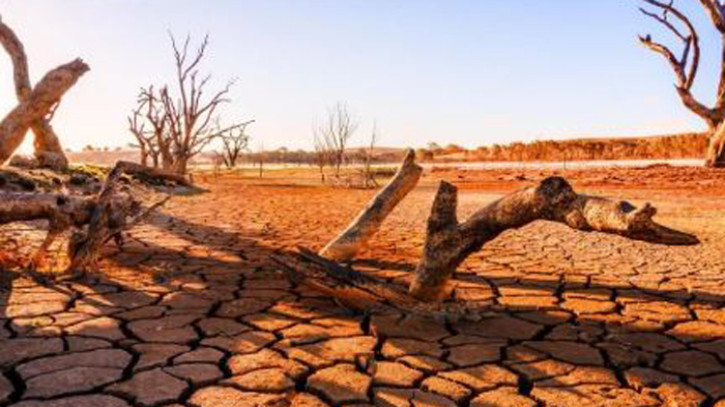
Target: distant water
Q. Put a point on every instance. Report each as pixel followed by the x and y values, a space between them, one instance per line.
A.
pixel 680 162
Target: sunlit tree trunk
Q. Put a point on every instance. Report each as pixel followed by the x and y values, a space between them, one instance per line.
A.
pixel 48 149
pixel 39 103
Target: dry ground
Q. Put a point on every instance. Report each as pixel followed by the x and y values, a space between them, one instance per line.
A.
pixel 193 312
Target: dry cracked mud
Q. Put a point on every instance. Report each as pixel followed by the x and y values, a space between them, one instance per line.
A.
pixel 193 312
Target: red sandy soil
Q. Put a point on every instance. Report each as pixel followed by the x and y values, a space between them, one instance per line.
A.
pixel 194 312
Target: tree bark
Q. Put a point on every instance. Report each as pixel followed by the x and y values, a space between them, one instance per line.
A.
pixel 716 148
pixel 39 103
pixel 448 243
pixel 62 211
pixel 348 243
pixel 48 150
pixel 109 213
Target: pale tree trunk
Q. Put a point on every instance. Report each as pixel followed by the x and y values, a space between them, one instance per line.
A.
pixel 48 149
pixel 39 103
pixel 347 244
pixel 448 243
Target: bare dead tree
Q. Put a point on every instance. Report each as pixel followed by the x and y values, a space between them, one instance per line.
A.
pixel 261 158
pixel 340 125
pixel 145 139
pixel 322 156
pixel 156 116
pixel 190 114
pixel 368 175
pixel 37 105
pixel 234 142
pixel 685 65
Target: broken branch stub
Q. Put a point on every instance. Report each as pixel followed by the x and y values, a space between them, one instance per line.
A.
pixel 448 243
pixel 348 243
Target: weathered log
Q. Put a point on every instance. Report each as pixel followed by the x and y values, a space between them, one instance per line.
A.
pixel 40 102
pixel 353 289
pixel 110 212
pixel 48 150
pixel 448 243
pixel 96 219
pixel 153 174
pixel 62 211
pixel 360 292
pixel 348 243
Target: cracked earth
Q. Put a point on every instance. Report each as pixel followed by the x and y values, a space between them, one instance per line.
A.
pixel 193 312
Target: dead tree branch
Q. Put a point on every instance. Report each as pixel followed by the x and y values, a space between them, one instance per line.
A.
pixel 448 243
pixel 685 66
pixel 39 103
pixel 347 244
pixel 48 149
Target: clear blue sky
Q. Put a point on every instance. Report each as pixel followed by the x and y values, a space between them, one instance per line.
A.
pixel 466 72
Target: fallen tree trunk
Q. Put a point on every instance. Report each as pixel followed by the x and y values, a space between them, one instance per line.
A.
pixel 96 219
pixel 40 102
pixel 62 211
pixel 153 174
pixel 348 243
pixel 448 243
pixel 48 150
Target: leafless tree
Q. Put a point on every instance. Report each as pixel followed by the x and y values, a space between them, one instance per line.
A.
pixel 146 142
pixel 340 125
pixel 321 155
pixel 261 158
pixel 149 102
pixel 183 118
pixel 686 64
pixel 368 174
pixel 234 143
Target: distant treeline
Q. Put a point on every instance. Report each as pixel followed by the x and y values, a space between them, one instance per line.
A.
pixel 302 157
pixel 689 145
